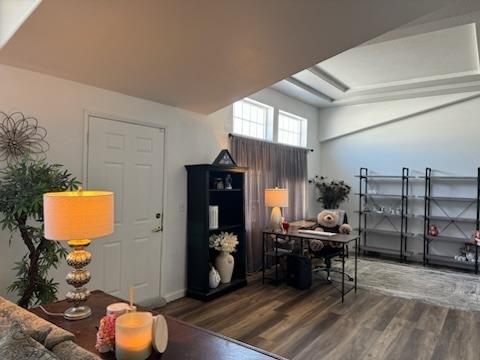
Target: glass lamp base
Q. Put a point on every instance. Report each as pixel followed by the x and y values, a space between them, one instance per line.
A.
pixel 79 258
pixel 77 312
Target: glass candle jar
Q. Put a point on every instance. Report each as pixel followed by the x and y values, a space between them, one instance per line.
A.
pixel 133 336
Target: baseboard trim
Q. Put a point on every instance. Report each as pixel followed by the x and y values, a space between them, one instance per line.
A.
pixel 175 295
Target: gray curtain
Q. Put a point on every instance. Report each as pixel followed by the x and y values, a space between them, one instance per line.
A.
pixel 270 165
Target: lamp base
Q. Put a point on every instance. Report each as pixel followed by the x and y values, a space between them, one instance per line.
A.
pixel 276 219
pixel 77 312
pixel 78 258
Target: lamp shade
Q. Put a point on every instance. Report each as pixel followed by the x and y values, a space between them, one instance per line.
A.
pixel 276 197
pixel 77 215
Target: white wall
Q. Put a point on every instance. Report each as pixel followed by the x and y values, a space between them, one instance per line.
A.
pixel 59 106
pixel 438 132
pixel 344 120
pixel 191 138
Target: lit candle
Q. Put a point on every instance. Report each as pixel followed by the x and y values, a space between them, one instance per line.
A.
pixel 133 336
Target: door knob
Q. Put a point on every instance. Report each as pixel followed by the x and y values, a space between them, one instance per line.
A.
pixel 157 228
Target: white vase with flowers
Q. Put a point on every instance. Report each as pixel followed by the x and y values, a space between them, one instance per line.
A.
pixel 225 243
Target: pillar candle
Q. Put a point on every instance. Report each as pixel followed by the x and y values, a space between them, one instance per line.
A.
pixel 133 336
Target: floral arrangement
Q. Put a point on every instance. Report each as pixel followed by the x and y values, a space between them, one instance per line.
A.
pixel 223 242
pixel 331 193
pixel 106 334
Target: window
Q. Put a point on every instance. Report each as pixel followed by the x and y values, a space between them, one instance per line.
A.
pixel 253 119
pixel 292 129
pixel 256 120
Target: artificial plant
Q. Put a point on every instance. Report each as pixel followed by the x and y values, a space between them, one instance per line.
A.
pixel 22 185
pixel 331 193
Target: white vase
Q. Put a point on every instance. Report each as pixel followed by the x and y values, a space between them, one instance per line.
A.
pixel 224 263
pixel 213 278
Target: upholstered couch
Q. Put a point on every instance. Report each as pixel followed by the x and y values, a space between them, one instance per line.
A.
pixel 26 336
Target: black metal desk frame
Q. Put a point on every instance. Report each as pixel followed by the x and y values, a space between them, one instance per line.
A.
pixel 294 235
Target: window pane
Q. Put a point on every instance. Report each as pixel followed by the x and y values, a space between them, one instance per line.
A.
pixel 246 128
pixel 253 130
pixel 255 116
pixel 237 110
pixel 237 125
pixel 251 120
pixel 291 129
pixel 296 127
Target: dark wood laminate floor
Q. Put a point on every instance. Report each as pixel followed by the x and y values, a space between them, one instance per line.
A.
pixel 314 324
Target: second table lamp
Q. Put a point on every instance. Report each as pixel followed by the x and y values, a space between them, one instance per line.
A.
pixel 276 198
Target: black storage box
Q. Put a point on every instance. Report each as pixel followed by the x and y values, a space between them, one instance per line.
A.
pixel 299 272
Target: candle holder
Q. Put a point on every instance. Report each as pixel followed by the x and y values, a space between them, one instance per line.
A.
pixel 133 336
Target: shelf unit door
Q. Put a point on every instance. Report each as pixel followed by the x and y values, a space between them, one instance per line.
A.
pixel 198 231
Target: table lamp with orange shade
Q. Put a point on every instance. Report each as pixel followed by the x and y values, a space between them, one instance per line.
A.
pixel 276 198
pixel 77 217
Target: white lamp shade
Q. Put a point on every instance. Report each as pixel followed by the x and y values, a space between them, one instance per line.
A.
pixel 276 197
pixel 77 215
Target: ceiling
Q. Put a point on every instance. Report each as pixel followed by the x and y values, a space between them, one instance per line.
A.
pixel 436 54
pixel 202 55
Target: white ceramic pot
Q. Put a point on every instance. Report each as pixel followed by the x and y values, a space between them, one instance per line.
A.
pixel 224 263
pixel 213 278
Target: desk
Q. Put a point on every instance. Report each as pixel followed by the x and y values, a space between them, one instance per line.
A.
pixel 295 235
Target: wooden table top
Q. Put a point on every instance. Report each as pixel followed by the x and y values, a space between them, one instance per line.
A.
pixel 185 341
pixel 294 232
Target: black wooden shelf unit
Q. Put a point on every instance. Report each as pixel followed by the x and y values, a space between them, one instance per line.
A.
pixel 231 211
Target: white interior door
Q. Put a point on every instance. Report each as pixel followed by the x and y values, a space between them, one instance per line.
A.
pixel 128 159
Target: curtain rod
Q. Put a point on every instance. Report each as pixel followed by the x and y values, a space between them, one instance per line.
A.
pixel 269 142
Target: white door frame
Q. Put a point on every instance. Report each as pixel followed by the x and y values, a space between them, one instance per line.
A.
pixel 92 113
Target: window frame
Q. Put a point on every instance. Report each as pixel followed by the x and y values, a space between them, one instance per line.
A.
pixel 303 131
pixel 269 121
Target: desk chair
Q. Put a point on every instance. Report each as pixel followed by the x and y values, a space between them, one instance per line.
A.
pixel 329 253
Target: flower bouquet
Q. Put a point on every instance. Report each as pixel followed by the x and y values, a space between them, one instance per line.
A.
pixel 226 243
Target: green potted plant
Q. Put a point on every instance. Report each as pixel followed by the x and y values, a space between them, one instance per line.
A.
pixel 22 185
pixel 331 193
